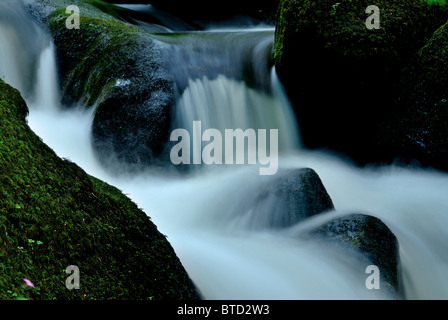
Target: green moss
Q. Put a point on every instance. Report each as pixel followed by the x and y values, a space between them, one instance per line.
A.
pixel 405 26
pixel 52 215
pixel 419 125
pixel 439 2
pixel 117 68
pixel 93 56
pixel 349 76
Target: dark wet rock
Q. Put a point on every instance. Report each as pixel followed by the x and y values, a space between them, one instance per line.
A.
pixel 286 199
pixel 298 195
pixel 419 125
pixel 343 78
pixel 53 215
pixel 370 239
pixel 116 68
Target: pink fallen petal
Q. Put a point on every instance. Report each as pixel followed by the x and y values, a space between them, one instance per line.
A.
pixel 28 282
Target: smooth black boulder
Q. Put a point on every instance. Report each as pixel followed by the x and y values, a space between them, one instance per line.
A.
pixel 285 199
pixel 295 196
pixel 371 240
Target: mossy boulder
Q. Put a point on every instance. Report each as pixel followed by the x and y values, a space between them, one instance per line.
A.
pixel 419 126
pixel 53 215
pixel 342 77
pixel 116 68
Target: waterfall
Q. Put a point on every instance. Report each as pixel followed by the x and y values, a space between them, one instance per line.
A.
pixel 28 63
pixel 24 41
pixel 224 103
pixel 226 81
pixel 223 257
pixel 46 94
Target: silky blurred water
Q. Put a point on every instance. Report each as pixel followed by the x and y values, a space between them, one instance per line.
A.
pixel 224 257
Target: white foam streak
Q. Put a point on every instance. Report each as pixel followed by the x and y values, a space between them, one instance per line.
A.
pixel 46 95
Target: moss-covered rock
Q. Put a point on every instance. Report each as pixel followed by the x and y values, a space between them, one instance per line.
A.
pixel 419 126
pixel 341 76
pixel 53 215
pixel 117 68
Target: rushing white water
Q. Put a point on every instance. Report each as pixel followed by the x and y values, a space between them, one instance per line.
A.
pixel 228 261
pixel 231 104
pixel 45 96
pixel 24 41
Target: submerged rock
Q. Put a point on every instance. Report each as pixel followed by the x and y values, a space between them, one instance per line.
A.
pixel 286 199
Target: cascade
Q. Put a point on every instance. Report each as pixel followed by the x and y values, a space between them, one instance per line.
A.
pixel 224 257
